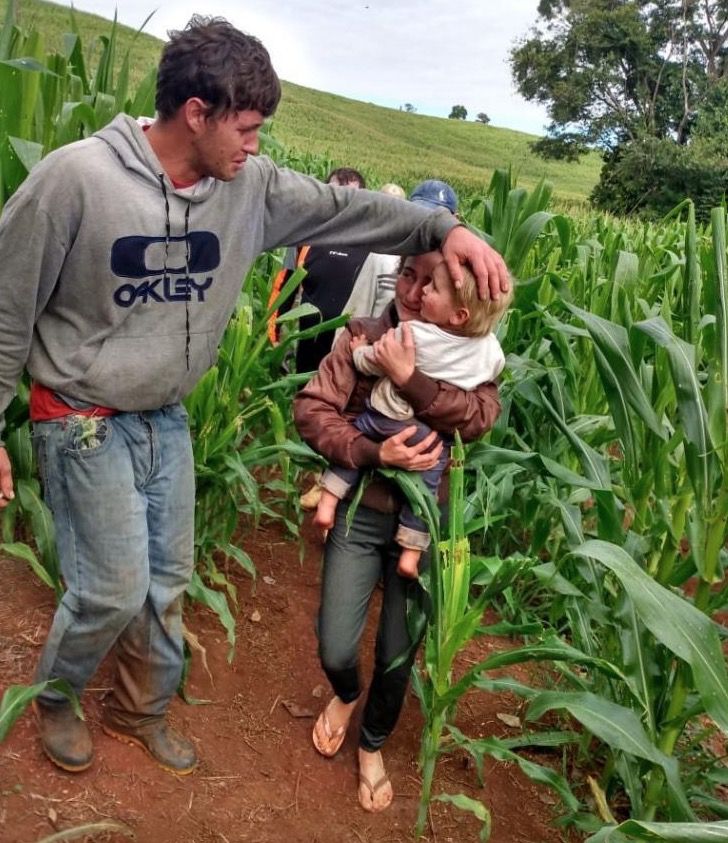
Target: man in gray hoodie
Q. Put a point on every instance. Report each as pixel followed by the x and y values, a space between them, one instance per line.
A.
pixel 121 259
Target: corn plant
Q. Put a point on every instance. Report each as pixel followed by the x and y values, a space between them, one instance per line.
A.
pixel 456 590
pixel 27 516
pixel 49 99
pixel 238 430
pixel 618 467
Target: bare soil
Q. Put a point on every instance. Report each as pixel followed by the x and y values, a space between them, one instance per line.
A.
pixel 260 778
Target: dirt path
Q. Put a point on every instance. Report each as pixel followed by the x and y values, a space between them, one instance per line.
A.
pixel 260 779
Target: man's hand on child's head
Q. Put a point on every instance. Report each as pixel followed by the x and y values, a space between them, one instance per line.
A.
pixel 462 246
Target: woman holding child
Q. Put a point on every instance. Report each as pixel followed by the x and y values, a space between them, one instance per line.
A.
pixel 357 557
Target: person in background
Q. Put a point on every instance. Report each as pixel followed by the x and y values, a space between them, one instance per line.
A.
pixel 358 555
pixel 374 287
pixel 330 275
pixel 135 241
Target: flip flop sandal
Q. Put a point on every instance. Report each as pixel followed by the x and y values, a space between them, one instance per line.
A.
pixel 373 788
pixel 336 736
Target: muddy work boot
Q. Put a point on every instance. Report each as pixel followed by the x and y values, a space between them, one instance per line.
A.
pixel 65 737
pixel 171 750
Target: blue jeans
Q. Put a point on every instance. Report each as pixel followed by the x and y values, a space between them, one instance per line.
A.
pixel 376 426
pixel 121 490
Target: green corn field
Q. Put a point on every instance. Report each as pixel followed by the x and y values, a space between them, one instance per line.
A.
pixel 592 521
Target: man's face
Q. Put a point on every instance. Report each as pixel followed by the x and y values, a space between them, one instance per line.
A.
pixel 416 274
pixel 224 143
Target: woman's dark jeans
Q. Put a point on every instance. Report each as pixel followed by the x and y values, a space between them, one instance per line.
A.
pixel 353 565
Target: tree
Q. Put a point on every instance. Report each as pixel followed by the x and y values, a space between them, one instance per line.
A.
pixel 482 117
pixel 709 135
pixel 614 71
pixel 458 112
pixel 408 107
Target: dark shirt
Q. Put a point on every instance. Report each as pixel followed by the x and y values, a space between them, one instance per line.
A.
pixel 330 275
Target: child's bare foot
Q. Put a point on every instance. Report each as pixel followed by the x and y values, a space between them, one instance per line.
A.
pixel 409 561
pixel 326 511
pixel 375 789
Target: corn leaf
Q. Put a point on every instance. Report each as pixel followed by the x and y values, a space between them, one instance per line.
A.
pixel 23 551
pixel 17 698
pixel 698 444
pixel 501 751
pixel 635 830
pixel 216 601
pixel 619 372
pixel 241 557
pixel 466 803
pixel 716 290
pixel 618 727
pixel 682 628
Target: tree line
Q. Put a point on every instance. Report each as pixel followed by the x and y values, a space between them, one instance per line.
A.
pixel 644 81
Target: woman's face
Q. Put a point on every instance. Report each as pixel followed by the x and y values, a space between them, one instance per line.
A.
pixel 416 274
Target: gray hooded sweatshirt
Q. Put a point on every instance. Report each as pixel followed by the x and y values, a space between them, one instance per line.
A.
pixel 115 287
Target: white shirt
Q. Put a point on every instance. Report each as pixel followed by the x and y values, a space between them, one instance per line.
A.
pixel 465 362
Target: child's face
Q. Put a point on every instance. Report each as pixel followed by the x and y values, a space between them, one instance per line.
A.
pixel 438 299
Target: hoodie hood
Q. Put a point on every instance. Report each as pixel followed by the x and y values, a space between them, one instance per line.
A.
pixel 128 140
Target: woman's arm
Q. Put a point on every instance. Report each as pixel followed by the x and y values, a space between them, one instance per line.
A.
pixel 324 409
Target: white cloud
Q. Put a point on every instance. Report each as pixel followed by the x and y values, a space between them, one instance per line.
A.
pixel 418 51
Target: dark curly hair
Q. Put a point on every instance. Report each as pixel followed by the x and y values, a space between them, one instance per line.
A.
pixel 345 176
pixel 226 68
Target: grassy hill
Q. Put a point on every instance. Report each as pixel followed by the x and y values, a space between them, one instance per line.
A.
pixel 406 148
pixel 387 145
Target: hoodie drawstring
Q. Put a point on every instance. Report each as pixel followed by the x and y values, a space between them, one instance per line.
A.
pixel 165 271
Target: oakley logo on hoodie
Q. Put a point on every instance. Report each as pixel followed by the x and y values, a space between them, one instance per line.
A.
pixel 173 260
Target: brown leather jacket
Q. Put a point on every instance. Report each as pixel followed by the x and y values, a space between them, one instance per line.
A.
pixel 324 409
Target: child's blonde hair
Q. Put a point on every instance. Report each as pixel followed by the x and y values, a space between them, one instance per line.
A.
pixel 393 190
pixel 484 313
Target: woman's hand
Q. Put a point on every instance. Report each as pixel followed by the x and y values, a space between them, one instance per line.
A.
pixel 395 357
pixel 396 453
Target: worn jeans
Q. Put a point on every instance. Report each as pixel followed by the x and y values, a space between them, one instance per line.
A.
pixel 412 532
pixel 121 490
pixel 353 565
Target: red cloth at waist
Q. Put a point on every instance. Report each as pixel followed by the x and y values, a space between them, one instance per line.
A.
pixel 44 405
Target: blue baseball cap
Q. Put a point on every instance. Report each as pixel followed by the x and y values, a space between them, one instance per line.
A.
pixel 435 194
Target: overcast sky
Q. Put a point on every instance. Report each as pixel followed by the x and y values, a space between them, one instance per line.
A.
pixel 431 54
